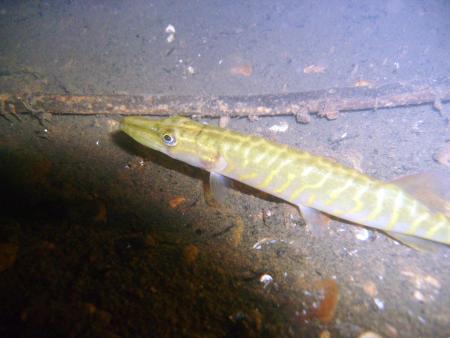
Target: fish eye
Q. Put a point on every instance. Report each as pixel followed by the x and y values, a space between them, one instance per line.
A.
pixel 169 140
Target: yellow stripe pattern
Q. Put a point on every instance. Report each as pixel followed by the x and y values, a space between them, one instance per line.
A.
pixel 293 175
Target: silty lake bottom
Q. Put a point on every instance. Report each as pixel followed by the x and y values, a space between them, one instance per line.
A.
pixel 103 237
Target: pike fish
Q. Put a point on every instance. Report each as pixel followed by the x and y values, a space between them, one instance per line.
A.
pixel 316 185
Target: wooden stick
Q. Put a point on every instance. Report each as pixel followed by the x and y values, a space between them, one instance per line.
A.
pixel 327 103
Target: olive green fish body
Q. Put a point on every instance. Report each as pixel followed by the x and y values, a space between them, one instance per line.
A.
pixel 293 175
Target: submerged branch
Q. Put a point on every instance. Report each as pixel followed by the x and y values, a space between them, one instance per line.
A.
pixel 327 103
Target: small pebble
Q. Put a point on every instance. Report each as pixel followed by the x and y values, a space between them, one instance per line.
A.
pixel 370 289
pixel 433 281
pixel 443 155
pixel 190 254
pixel 369 334
pixel 190 70
pixel 325 334
pixel 391 330
pixel 419 296
pixel 379 303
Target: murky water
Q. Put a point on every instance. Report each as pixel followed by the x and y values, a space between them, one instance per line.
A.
pixel 103 237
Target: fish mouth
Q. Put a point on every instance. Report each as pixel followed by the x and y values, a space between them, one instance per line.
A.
pixel 144 131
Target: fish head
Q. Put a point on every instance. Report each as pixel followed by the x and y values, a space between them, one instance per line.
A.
pixel 174 136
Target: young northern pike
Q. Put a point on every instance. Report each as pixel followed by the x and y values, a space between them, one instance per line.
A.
pixel 310 182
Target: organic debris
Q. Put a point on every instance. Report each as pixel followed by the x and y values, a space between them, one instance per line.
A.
pixel 363 84
pixel 177 201
pixel 242 70
pixel 281 127
pixel 330 114
pixel 314 69
pixel 190 254
pixel 324 298
pixel 327 308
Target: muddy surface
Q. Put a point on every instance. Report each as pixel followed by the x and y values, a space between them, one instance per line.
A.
pixel 256 47
pixel 107 238
pixel 101 237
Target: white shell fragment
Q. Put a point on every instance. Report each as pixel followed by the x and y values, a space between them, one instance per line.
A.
pixel 170 29
pixel 258 245
pixel 266 279
pixel 362 234
pixel 281 127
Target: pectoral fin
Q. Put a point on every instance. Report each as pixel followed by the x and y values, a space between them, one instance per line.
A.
pixel 215 191
pixel 313 216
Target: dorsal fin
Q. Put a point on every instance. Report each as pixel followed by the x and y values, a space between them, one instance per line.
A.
pixel 432 188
